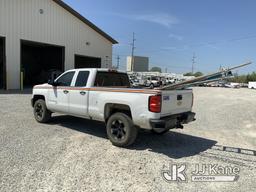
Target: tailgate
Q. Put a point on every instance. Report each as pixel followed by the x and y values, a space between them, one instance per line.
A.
pixel 176 101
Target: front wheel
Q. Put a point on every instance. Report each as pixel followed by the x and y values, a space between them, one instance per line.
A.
pixel 121 130
pixel 41 113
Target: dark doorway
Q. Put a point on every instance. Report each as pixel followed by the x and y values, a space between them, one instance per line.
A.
pixel 2 64
pixel 40 62
pixel 87 62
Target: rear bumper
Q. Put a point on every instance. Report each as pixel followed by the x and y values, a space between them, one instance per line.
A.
pixel 173 121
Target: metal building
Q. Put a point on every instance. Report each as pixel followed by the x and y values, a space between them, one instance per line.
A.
pixel 137 64
pixel 41 37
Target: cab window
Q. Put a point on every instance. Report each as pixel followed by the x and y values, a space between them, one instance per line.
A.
pixel 82 78
pixel 66 79
pixel 111 79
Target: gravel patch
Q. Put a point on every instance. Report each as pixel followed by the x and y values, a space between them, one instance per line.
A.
pixel 73 154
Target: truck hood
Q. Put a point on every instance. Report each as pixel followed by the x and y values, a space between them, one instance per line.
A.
pixel 42 85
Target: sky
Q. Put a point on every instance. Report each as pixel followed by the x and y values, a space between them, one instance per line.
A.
pixel 169 32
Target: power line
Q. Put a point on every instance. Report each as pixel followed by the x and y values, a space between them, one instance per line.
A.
pixel 252 36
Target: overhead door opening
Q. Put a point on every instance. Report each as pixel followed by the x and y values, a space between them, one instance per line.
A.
pixel 40 62
pixel 87 62
pixel 2 64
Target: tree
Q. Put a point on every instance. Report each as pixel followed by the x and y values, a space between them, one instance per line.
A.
pixel 156 69
pixel 188 74
pixel 243 78
pixel 198 74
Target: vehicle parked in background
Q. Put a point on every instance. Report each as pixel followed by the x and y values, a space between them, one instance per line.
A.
pixel 152 82
pixel 252 85
pixel 170 80
pixel 163 81
pixel 235 85
pixel 232 85
pixel 135 83
pixel 106 95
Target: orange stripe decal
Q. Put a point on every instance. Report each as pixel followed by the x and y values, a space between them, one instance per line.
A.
pixel 102 89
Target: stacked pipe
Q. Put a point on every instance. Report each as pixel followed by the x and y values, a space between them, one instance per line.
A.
pixel 220 75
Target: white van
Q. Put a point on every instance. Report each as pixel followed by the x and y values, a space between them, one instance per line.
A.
pixel 252 85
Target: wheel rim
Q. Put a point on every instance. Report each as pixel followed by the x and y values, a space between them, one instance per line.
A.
pixel 118 130
pixel 39 110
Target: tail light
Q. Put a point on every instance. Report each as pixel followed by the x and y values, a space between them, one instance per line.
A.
pixel 155 103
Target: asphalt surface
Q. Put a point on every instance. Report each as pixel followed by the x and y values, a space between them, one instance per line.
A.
pixel 73 154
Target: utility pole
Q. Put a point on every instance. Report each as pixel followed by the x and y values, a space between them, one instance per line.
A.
pixel 220 69
pixel 118 62
pixel 193 62
pixel 166 70
pixel 133 48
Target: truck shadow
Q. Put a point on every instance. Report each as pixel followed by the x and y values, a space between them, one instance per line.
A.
pixel 173 144
pixel 79 124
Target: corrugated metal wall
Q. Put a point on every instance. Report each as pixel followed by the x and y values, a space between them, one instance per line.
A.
pixel 21 19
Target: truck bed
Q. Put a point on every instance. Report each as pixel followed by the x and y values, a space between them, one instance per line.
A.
pixel 176 101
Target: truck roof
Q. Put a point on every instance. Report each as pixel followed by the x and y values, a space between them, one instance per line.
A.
pixel 97 69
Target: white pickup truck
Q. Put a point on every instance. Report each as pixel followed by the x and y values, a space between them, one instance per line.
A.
pixel 105 95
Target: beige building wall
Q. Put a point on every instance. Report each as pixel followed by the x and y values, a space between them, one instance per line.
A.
pixel 22 20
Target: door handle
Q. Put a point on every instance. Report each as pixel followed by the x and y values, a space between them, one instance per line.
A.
pixel 65 91
pixel 82 92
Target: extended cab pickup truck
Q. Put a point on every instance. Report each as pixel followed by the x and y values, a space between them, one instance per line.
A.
pixel 106 95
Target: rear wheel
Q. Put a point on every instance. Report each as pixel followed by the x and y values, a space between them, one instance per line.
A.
pixel 151 86
pixel 41 113
pixel 121 130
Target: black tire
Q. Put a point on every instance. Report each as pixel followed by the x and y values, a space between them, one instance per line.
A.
pixel 160 132
pixel 41 113
pixel 121 130
pixel 151 86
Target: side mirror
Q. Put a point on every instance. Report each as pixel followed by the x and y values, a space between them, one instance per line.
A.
pixel 52 82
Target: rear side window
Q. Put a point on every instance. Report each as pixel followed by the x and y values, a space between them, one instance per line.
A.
pixel 66 79
pixel 111 79
pixel 81 80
